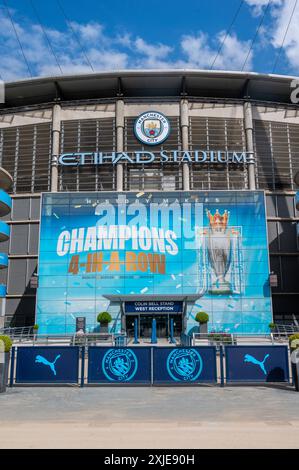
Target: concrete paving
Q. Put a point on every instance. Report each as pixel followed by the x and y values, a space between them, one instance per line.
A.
pixel 143 417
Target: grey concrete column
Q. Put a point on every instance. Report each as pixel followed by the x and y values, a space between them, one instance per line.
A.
pixel 120 124
pixel 56 129
pixel 184 117
pixel 248 123
pixel 2 311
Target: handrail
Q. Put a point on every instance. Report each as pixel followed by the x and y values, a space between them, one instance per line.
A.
pixel 232 338
pixel 22 332
pixel 86 339
pixel 29 334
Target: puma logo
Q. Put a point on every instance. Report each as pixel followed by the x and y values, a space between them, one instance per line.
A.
pixel 42 360
pixel 253 360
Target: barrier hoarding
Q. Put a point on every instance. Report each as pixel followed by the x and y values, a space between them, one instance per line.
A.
pixel 184 365
pixel 119 365
pixel 47 364
pixel 257 364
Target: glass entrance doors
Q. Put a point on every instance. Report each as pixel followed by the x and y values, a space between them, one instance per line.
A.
pixel 146 322
pixel 177 324
pixel 162 323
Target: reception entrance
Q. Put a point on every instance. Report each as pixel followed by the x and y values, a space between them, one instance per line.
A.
pixel 163 321
pixel 146 322
pixel 140 314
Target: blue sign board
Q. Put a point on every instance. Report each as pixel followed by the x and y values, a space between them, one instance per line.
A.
pixel 47 364
pixel 185 365
pixel 160 306
pixel 119 365
pixel 257 364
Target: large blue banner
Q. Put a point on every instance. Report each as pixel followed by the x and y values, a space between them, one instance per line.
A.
pixel 119 365
pixel 184 365
pixel 257 364
pixel 47 364
pixel 96 248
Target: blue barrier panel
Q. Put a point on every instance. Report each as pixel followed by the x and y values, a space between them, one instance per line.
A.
pixel 257 364
pixel 184 365
pixel 119 365
pixel 47 364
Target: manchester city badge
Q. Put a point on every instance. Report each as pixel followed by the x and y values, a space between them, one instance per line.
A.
pixel 152 128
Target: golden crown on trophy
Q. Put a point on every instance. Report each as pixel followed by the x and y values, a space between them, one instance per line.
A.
pixel 218 221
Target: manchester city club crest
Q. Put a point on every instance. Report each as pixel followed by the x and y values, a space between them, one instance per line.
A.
pixel 184 365
pixel 152 128
pixel 119 365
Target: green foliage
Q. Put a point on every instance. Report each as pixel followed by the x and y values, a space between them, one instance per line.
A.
pixel 103 318
pixel 220 337
pixel 35 327
pixel 272 326
pixel 7 342
pixel 294 337
pixel 202 317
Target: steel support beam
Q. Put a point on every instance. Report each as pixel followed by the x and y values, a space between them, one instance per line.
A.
pixel 184 117
pixel 56 129
pixel 248 124
pixel 120 124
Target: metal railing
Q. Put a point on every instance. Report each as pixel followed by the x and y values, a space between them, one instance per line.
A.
pixel 252 339
pixel 22 333
pixel 231 339
pixel 281 331
pixel 28 335
pixel 96 339
pixel 212 339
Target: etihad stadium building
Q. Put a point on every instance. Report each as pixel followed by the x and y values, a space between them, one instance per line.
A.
pixel 151 194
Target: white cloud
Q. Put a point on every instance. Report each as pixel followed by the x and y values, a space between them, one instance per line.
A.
pixel 258 5
pixel 159 51
pixel 281 11
pixel 150 56
pixel 109 52
pixel 291 44
pixel 72 59
pixel 90 32
pixel 232 54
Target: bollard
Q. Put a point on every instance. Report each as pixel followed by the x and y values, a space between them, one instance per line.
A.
pixel 82 366
pixel 296 375
pixel 12 366
pixel 136 331
pixel 5 346
pixel 294 347
pixel 2 367
pixel 221 366
pixel 295 368
pixel 154 332
pixel 171 338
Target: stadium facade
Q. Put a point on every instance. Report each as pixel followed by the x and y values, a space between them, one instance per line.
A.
pixel 151 194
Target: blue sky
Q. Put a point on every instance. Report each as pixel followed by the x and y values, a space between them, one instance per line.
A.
pixel 130 34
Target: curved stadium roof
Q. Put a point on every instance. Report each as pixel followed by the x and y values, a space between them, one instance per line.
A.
pixel 170 84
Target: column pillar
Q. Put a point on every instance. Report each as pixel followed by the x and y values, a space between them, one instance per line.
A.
pixel 184 118
pixel 56 129
pixel 120 124
pixel 248 123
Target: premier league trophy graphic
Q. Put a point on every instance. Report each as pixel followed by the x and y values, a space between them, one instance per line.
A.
pixel 219 248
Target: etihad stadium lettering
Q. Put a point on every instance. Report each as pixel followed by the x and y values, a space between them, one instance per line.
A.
pixel 164 156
